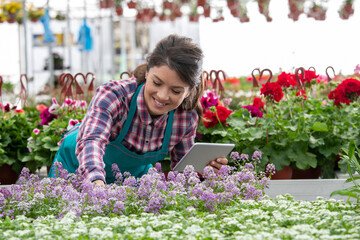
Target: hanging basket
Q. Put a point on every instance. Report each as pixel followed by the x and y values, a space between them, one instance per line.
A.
pixel 264 9
pixel 106 4
pixel 131 5
pixel 296 8
pixel 346 11
pixel 194 18
pixel 11 17
pixel 317 12
pixel 119 11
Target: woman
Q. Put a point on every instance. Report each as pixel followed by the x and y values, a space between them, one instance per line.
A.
pixel 137 122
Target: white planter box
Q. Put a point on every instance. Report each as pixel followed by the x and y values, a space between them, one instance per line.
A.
pixel 308 189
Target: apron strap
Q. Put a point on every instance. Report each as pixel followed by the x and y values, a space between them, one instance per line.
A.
pixel 168 131
pixel 130 116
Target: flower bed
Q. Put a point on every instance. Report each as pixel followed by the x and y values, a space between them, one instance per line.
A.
pixel 282 218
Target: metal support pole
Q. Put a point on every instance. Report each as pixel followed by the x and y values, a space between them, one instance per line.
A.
pixel 68 34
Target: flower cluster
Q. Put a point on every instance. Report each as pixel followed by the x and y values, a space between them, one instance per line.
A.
pixel 272 90
pixel 255 108
pixel 7 108
pixel 153 192
pixel 208 100
pixel 286 80
pixel 346 92
pixel 215 115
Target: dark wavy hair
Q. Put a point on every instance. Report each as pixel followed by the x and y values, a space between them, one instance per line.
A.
pixel 184 57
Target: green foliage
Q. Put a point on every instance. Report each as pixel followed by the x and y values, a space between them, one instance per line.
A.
pixel 45 144
pixel 15 129
pixel 351 157
pixel 298 132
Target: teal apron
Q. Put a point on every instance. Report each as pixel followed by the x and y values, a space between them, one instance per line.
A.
pixel 115 152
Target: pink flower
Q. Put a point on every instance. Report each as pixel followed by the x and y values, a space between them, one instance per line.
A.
pixel 324 102
pixel 68 102
pixel 54 101
pixel 357 69
pixel 72 123
pixel 322 78
pixel 36 131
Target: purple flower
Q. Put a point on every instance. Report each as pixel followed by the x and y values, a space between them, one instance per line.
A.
pixel 257 156
pixel 46 117
pixel 255 112
pixel 270 169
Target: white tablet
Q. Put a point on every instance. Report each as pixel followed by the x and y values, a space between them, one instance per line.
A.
pixel 200 154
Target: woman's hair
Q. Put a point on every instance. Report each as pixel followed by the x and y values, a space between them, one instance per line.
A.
pixel 184 57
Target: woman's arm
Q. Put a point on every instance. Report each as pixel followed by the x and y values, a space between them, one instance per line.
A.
pixel 95 131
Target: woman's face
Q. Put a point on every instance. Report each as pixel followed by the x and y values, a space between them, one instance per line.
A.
pixel 164 90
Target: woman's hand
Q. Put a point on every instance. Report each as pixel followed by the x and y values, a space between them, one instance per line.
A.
pixel 99 182
pixel 218 163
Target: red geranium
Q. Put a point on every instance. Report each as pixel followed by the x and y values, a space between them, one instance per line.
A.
pixel 272 90
pixel 301 93
pixel 210 118
pixel 347 91
pixel 286 80
pixel 258 103
pixel 309 75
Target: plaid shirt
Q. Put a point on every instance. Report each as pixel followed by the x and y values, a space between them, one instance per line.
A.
pixel 106 116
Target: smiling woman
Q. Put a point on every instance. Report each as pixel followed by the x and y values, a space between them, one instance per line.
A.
pixel 164 90
pixel 138 121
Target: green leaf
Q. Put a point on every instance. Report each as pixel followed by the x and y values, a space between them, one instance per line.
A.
pixel 320 127
pixel 345 192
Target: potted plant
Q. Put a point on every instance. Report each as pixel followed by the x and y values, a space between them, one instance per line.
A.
pixel 11 9
pixel 296 8
pixel 291 127
pixel 118 7
pixel 264 9
pixel 15 129
pixel 106 3
pixel 35 14
pixel 131 4
pixel 317 10
pixel 346 9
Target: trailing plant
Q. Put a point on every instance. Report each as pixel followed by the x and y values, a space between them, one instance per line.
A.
pixel 351 158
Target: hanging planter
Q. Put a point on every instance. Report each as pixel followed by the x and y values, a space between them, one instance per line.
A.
pixel 106 3
pixel 131 4
pixel 243 12
pixel 35 14
pixel 296 8
pixel 119 11
pixel 232 4
pixel 317 12
pixel 11 18
pixel 194 18
pixel 201 3
pixel 346 9
pixel 264 9
pixel 11 10
pixel 207 11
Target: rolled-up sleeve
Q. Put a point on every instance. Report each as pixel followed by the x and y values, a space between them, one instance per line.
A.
pixel 187 141
pixel 95 131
